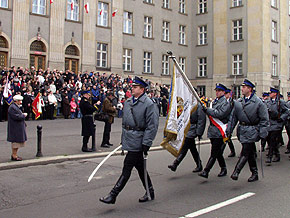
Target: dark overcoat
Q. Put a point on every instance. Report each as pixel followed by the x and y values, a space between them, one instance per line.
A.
pixel 87 111
pixel 16 128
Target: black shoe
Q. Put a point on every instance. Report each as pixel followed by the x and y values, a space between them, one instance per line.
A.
pixel 287 151
pixel 110 144
pixel 105 146
pixel 198 168
pixel 235 176
pixel 109 199
pixel 172 167
pixel 86 149
pixel 268 160
pixel 146 198
pixel 204 174
pixel 253 178
pixel 276 158
pixel 232 154
pixel 239 166
pixel 223 172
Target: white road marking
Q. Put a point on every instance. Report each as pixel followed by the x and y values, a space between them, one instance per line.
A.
pixel 219 205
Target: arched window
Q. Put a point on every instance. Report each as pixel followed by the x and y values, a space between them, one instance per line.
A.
pixel 3 52
pixel 3 42
pixel 72 50
pixel 37 46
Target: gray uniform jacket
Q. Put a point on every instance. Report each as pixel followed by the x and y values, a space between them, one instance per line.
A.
pixel 221 109
pixel 275 123
pixel 147 120
pixel 197 123
pixel 253 120
pixel 288 118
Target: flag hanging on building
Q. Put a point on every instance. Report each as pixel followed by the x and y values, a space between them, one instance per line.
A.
pixel 101 11
pixel 114 13
pixel 87 7
pixel 7 92
pixel 51 1
pixel 182 104
pixel 72 6
pixel 36 106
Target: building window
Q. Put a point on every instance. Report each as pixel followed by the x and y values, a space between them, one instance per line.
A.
pixel 165 64
pixel 237 92
pixel 103 14
pixel 127 59
pixel 202 67
pixel 128 21
pixel 202 35
pixel 237 64
pixel 182 6
pixel 165 31
pixel 237 30
pixel 201 90
pixel 165 4
pixel 73 10
pixel 38 6
pixel 182 37
pixel 148 27
pixel 202 6
pixel 274 65
pixel 102 53
pixel 236 3
pixel 148 1
pixel 3 3
pixel 147 62
pixel 274 30
pixel 274 3
pixel 182 63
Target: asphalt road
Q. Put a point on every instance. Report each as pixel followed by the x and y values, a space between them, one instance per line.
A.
pixel 62 190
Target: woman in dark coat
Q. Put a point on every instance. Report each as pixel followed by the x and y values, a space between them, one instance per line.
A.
pixel 16 129
pixel 66 107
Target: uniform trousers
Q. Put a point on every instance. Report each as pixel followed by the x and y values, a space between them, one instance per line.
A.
pixel 248 151
pixel 287 127
pixel 107 133
pixel 135 159
pixel 273 140
pixel 189 144
pixel 217 149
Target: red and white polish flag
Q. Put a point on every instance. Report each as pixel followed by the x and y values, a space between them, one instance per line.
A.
pixel 114 13
pixel 87 7
pixel 101 11
pixel 72 5
pixel 51 1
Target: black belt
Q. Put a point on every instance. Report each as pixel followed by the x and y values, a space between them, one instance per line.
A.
pixel 88 115
pixel 133 128
pixel 247 124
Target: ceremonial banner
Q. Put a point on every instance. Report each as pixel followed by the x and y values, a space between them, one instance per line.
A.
pixel 182 103
pixel 36 106
pixel 7 92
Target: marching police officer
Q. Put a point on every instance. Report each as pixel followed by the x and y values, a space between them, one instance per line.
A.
pixel 278 113
pixel 139 128
pixel 221 110
pixel 197 126
pixel 230 143
pixel 287 126
pixel 265 97
pixel 251 113
pixel 87 120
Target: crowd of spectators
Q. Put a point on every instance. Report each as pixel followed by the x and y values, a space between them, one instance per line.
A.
pixel 60 91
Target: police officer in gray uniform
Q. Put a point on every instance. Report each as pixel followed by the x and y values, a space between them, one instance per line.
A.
pixel 230 143
pixel 197 126
pixel 287 126
pixel 278 113
pixel 139 128
pixel 265 97
pixel 251 113
pixel 221 109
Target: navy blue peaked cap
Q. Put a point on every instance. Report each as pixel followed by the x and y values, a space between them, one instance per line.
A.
pixel 220 87
pixel 272 89
pixel 139 82
pixel 248 83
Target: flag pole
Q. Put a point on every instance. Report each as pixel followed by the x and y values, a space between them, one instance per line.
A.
pixel 183 75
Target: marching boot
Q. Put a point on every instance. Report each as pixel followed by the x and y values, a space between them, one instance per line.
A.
pixel 145 197
pixel 86 149
pixel 276 158
pixel 223 172
pixel 232 148
pixel 239 166
pixel 287 151
pixel 178 160
pixel 206 170
pixel 111 197
pixel 254 177
pixel 198 167
pixel 232 154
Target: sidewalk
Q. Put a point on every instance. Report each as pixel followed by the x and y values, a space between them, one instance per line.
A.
pixel 61 141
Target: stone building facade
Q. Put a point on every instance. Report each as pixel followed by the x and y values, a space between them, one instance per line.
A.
pixel 215 41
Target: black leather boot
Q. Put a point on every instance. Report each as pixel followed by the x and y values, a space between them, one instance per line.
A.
pixel 86 149
pixel 179 158
pixel 111 197
pixel 254 177
pixel 198 168
pixel 276 158
pixel 223 172
pixel 208 167
pixel 232 154
pixel 239 166
pixel 145 197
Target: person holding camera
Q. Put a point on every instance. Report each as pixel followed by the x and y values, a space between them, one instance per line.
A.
pixel 139 128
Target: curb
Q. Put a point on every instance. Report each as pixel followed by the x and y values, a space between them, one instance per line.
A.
pixel 62 158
